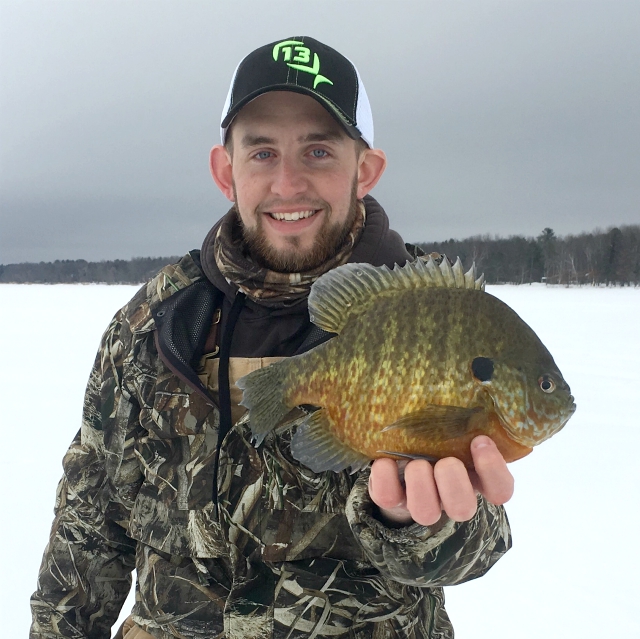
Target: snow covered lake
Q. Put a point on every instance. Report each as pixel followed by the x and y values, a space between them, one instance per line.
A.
pixel 572 571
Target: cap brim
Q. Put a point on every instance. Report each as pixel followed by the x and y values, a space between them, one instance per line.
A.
pixel 351 130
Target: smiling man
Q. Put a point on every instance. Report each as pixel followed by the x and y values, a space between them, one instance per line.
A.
pixel 229 539
pixel 296 179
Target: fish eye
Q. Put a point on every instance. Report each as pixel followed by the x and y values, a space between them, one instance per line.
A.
pixel 546 384
pixel 482 369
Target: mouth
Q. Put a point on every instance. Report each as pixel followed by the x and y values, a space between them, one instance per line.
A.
pixel 292 216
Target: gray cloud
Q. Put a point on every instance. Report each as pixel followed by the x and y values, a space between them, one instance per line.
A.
pixel 497 117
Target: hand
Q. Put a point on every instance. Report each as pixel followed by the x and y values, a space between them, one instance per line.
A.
pixel 447 486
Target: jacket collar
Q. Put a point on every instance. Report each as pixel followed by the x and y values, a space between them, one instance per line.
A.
pixel 378 245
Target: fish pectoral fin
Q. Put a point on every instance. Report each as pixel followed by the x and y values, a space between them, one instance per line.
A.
pixel 314 445
pixel 442 422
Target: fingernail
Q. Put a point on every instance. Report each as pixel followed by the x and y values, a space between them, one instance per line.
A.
pixel 481 441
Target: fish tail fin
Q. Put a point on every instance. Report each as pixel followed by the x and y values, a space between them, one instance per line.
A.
pixel 264 396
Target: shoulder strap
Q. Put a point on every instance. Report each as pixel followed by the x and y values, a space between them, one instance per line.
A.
pixel 182 325
pixel 315 337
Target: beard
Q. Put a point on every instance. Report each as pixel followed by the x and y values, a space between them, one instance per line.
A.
pixel 329 239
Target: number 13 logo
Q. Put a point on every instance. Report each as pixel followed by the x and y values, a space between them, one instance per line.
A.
pixel 301 58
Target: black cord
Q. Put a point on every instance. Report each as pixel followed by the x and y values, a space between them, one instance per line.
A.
pixel 224 392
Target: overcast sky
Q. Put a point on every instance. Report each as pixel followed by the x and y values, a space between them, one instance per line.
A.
pixel 497 117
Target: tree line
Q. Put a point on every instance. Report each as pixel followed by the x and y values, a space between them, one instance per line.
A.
pixel 134 271
pixel 609 257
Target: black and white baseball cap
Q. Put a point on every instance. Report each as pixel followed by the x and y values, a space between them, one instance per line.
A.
pixel 303 65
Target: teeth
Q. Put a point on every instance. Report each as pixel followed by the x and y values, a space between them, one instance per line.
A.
pixel 292 217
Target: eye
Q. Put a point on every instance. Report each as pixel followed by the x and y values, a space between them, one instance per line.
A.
pixel 546 384
pixel 482 368
pixel 319 153
pixel 263 155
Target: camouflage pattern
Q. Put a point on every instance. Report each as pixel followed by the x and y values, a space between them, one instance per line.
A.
pixel 288 553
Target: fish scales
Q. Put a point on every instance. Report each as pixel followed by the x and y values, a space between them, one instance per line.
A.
pixel 399 378
pixel 377 374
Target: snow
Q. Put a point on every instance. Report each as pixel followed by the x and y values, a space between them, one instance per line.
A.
pixel 575 519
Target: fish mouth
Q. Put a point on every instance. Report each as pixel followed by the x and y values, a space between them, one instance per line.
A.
pixel 570 410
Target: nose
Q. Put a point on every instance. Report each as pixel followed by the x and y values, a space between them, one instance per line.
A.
pixel 289 179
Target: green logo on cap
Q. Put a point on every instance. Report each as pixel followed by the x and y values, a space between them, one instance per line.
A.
pixel 302 55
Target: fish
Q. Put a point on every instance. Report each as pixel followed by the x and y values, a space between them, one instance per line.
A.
pixel 423 360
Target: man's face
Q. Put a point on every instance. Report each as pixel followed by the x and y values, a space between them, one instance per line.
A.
pixel 294 180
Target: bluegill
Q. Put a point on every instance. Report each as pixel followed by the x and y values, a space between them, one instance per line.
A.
pixel 424 360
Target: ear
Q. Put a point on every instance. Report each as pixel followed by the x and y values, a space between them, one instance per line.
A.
pixel 371 166
pixel 220 167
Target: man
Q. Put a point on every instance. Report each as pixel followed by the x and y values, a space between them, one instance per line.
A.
pixel 230 540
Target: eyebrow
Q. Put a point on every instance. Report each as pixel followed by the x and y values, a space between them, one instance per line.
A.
pixel 324 136
pixel 250 140
pixel 255 140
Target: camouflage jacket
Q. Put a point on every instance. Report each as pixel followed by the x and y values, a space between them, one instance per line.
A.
pixel 286 553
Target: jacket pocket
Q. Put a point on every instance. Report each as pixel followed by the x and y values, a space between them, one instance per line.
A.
pixel 157 522
pixel 173 511
pixel 178 452
pixel 279 508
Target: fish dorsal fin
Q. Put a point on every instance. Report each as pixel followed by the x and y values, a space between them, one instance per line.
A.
pixel 351 288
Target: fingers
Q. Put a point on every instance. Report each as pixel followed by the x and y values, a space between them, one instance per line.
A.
pixel 496 482
pixel 423 500
pixel 425 490
pixel 385 486
pixel 387 491
pixel 456 492
pixel 414 499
